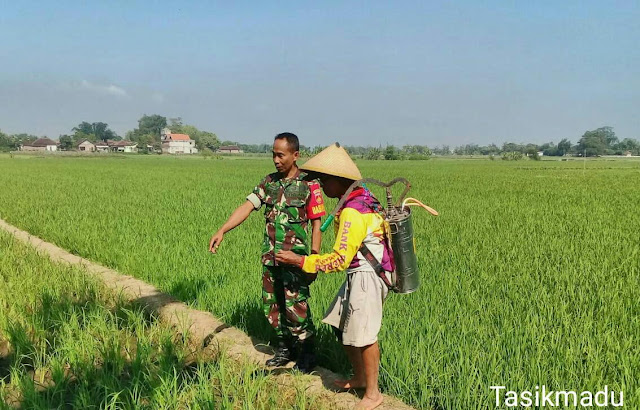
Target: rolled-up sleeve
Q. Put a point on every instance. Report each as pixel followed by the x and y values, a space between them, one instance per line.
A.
pixel 257 196
pixel 255 200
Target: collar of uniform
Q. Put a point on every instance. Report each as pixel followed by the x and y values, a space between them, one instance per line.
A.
pixel 281 178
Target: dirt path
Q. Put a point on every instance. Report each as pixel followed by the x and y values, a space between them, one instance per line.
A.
pixel 203 328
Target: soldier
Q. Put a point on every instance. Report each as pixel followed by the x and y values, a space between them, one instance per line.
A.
pixel 356 312
pixel 291 200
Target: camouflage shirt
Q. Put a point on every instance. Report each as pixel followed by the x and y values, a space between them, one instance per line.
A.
pixel 289 205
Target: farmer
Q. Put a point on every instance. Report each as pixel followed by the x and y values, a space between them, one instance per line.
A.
pixel 291 200
pixel 356 311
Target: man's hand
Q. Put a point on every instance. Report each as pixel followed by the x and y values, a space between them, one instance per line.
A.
pixel 236 218
pixel 288 258
pixel 216 239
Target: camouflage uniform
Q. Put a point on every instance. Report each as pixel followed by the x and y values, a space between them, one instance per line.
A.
pixel 289 204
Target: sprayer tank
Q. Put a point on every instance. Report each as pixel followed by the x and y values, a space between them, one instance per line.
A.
pixel 404 250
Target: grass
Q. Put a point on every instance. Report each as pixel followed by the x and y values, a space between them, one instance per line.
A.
pixel 529 276
pixel 65 342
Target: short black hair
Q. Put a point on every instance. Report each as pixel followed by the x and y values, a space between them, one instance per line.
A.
pixel 292 140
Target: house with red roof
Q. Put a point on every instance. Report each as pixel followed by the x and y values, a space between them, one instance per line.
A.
pixel 177 143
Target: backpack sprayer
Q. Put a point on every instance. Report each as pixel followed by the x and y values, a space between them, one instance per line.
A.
pixel 406 277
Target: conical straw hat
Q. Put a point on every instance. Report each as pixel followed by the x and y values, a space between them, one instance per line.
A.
pixel 333 160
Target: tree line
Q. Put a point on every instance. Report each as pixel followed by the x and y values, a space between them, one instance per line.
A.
pixel 598 142
pixel 601 141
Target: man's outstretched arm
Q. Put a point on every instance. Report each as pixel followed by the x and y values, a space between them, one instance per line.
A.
pixel 236 218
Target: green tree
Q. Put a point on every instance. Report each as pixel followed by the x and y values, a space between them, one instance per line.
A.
pixel 550 150
pixel 146 139
pixel 13 142
pixel 84 127
pixel 391 153
pixel 148 131
pixel 416 152
pixel 23 138
pixel 6 142
pixel 410 149
pixel 532 152
pixel 66 142
pixel 102 132
pixel 356 151
pixel 564 146
pixel 512 147
pixel 207 140
pixel 468 149
pixel 175 124
pixel 151 124
pixel 610 137
pixel 444 150
pixel 596 142
pixel 373 153
pixel 93 132
pixel 628 144
pixel 512 156
pixel 305 152
pixel 491 149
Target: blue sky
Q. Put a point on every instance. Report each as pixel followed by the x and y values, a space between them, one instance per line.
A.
pixel 363 73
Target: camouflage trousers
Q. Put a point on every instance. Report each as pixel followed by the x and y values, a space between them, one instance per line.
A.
pixel 285 290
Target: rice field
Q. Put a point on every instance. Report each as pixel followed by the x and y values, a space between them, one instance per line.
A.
pixel 530 275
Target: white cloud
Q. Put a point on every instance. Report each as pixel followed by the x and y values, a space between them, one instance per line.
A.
pixel 104 89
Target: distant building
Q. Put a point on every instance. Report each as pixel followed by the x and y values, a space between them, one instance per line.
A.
pixel 177 143
pixel 86 146
pixel 41 144
pixel 627 153
pixel 122 146
pixel 102 146
pixel 230 149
